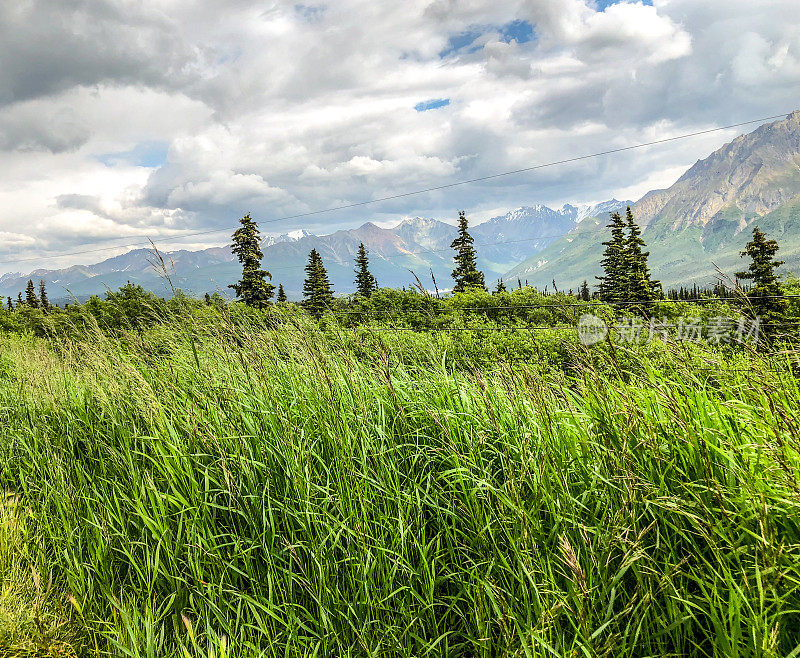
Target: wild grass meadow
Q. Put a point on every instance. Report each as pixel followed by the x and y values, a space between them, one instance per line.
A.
pixel 221 486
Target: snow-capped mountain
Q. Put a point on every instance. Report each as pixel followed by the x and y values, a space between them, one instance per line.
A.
pixel 583 211
pixel 291 236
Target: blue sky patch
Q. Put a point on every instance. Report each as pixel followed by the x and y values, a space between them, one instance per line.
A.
pixel 463 43
pixel 519 31
pixel 145 154
pixel 603 4
pixel 432 104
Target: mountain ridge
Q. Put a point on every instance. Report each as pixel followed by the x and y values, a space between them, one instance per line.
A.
pixel 415 244
pixel 691 227
pixel 696 225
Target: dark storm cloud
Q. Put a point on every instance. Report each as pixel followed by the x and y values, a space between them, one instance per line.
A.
pixel 48 46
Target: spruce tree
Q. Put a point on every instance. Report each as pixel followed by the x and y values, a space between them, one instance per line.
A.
pixel 613 283
pixel 584 293
pixel 638 286
pixel 207 299
pixel 10 304
pixel 500 287
pixel 281 294
pixel 765 295
pixel 253 288
pixel 43 296
pixel 317 291
pixel 30 295
pixel 466 275
pixel 365 282
pixel 20 302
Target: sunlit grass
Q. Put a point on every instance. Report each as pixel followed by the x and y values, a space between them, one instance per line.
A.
pixel 248 493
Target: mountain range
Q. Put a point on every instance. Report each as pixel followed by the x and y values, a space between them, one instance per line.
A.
pixel 415 247
pixel 693 229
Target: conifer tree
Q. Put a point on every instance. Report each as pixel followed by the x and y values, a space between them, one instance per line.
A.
pixel 500 287
pixel 281 294
pixel 365 282
pixel 10 304
pixel 317 291
pixel 253 288
pixel 638 286
pixel 466 275
pixel 765 295
pixel 30 295
pixel 613 283
pixel 584 293
pixel 207 299
pixel 20 302
pixel 43 296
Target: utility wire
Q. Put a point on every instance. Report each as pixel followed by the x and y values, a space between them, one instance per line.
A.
pixel 422 191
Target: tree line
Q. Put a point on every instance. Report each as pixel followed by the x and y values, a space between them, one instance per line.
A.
pixel 626 275
pixel 255 288
pixel 31 300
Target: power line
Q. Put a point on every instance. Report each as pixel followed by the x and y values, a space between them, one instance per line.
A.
pixel 425 190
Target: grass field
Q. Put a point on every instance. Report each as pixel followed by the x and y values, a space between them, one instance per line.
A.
pixel 368 493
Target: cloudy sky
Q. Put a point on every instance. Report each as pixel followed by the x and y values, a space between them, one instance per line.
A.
pixel 122 120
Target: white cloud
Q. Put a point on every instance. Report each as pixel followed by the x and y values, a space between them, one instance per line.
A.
pixel 283 108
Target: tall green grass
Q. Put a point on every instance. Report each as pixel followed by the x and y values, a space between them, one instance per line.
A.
pixel 307 493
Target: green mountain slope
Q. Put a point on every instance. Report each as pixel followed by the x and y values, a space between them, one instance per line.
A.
pixel 702 222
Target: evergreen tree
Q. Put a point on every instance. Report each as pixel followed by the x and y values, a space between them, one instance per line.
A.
pixel 43 296
pixel 281 294
pixel 613 283
pixel 466 275
pixel 30 295
pixel 638 286
pixel 207 299
pixel 365 282
pixel 584 293
pixel 766 291
pixel 500 287
pixel 317 291
pixel 20 303
pixel 10 304
pixel 253 288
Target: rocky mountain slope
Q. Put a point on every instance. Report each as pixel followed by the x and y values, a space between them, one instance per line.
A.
pixel 701 222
